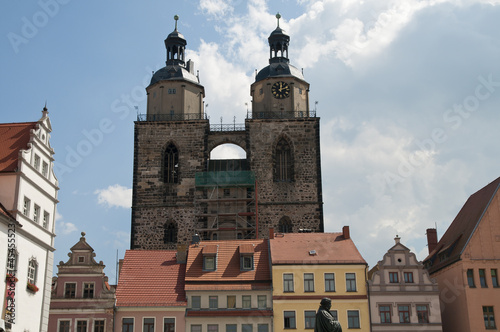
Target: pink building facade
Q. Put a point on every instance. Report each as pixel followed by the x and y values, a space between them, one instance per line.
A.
pixel 466 262
pixel 82 299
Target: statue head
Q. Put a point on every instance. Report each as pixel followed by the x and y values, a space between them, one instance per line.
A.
pixel 326 303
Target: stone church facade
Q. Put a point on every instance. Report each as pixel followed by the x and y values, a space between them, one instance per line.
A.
pixel 179 192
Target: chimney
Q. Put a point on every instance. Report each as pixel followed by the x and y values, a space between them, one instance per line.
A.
pixel 271 233
pixel 181 253
pixel 432 239
pixel 345 232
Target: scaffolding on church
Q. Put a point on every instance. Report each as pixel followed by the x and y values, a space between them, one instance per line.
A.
pixel 229 201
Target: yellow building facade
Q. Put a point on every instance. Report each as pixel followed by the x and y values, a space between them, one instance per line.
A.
pixel 307 267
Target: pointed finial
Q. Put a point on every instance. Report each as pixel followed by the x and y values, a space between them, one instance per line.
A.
pixel 278 16
pixel 45 111
pixel 176 18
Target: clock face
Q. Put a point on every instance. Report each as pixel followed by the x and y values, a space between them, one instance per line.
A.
pixel 280 90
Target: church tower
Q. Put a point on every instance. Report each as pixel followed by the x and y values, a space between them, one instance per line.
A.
pixel 179 193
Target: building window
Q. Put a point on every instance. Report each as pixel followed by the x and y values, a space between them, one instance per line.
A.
pixel 408 277
pixel 246 328
pixel 309 319
pixel 385 313
pixel 404 313
pixel 329 282
pixel 334 314
pixel 64 325
pixel 231 301
pixel 171 91
pixel 489 318
pixel 195 302
pixel 88 290
pixel 26 206
pixel 482 278
pixel 32 271
pixel 494 278
pixel 350 280
pixel 283 169
pixel 36 214
pixel 289 317
pixel 81 326
pixel 209 263
pixel 423 314
pixel 262 328
pixel 171 164
pixel 46 217
pixel 81 259
pixel 195 328
pixel 231 328
pixel 285 225
pixel 36 164
pixel 70 290
pixel 213 302
pixel 148 325
pixel 127 325
pixel 99 326
pixel 353 319
pixel 287 282
pixel 168 324
pixel 170 233
pixel 213 328
pixel 393 277
pixel 470 278
pixel 308 282
pixel 45 169
pixel 262 301
pixel 247 262
pixel 246 301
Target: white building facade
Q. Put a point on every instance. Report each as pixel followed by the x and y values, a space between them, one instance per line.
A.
pixel 28 191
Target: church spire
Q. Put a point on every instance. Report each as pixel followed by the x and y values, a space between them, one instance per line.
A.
pixel 175 45
pixel 278 43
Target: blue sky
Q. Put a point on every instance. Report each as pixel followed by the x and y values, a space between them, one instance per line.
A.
pixel 408 93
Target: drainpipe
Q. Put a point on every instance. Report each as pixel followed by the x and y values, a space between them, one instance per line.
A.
pixel 368 294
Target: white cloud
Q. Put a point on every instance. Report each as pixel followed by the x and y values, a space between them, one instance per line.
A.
pixel 65 228
pixel 115 196
pixel 215 7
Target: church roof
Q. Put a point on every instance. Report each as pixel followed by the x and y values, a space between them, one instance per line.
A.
pixel 151 278
pixel 13 137
pixel 451 246
pixel 279 69
pixel 174 73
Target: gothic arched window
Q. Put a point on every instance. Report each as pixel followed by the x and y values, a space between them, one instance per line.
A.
pixel 171 164
pixel 285 225
pixel 283 167
pixel 170 233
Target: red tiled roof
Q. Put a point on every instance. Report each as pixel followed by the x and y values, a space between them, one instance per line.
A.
pixel 456 237
pixel 13 137
pixel 246 248
pixel 210 249
pixel 314 248
pixel 151 278
pixel 240 286
pixel 228 262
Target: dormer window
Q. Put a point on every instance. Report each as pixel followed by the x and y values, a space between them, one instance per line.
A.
pixel 210 258
pixel 246 257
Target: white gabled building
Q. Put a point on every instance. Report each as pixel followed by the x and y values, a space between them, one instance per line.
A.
pixel 28 192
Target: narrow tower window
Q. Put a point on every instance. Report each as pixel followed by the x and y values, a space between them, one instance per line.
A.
pixel 285 225
pixel 170 233
pixel 283 171
pixel 171 164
